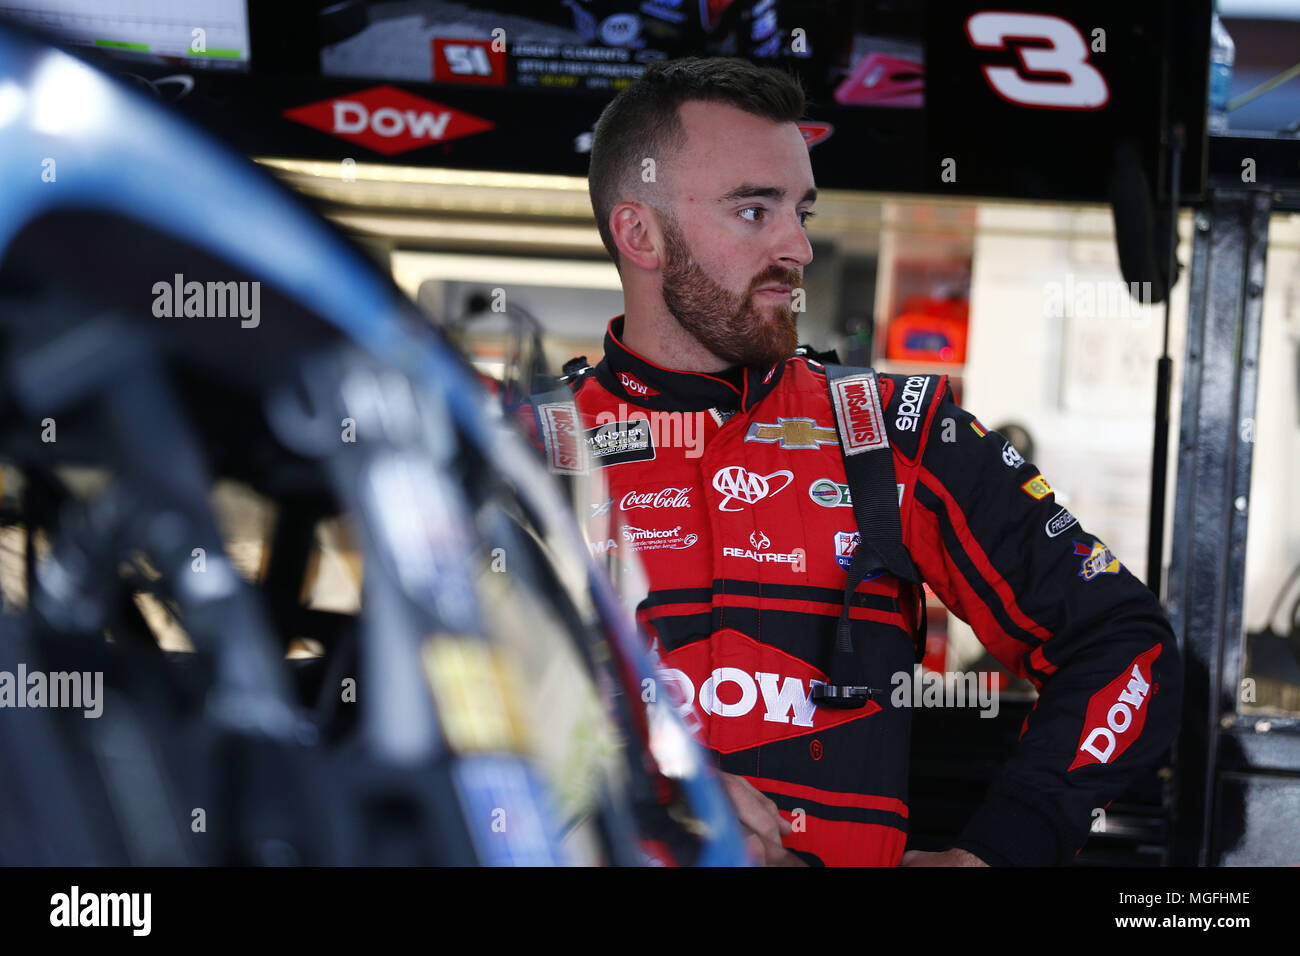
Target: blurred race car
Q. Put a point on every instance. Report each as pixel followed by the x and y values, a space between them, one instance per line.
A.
pixel 216 416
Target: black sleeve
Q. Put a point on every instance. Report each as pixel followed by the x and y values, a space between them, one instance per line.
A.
pixel 1054 605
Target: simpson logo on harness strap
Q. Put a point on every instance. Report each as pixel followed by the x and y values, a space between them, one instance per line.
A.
pixel 558 424
pixel 869 472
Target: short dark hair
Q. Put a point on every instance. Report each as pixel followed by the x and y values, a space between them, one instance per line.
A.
pixel 643 120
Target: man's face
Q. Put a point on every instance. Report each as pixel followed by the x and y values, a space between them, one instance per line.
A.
pixel 736 248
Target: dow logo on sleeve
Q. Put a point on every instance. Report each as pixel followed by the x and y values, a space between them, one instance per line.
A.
pixel 1117 713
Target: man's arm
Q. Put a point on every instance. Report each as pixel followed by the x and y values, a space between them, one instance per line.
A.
pixel 1053 605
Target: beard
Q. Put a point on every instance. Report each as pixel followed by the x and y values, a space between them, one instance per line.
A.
pixel 733 327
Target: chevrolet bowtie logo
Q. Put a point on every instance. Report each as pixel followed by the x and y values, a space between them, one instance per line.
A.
pixel 793 433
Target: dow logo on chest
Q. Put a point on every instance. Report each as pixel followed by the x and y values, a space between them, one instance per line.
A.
pixel 735 692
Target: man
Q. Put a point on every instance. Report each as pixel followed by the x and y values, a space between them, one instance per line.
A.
pixel 724 476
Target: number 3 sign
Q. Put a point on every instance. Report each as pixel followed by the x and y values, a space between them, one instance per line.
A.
pixel 1056 76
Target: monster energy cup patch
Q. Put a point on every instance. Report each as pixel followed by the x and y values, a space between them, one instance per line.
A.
pixel 617 443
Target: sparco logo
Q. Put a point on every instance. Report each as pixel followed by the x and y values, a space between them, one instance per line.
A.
pixel 909 407
pixel 857 407
pixel 734 708
pixel 663 498
pixel 1117 713
pixel 388 120
pixel 736 483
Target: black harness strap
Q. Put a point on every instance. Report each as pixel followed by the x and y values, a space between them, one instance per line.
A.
pixel 873 489
pixel 869 471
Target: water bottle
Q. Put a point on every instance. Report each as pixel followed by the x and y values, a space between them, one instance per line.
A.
pixel 1222 54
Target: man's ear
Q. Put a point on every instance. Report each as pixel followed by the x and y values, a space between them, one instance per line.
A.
pixel 637 235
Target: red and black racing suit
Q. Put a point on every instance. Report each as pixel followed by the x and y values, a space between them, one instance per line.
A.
pixel 730 490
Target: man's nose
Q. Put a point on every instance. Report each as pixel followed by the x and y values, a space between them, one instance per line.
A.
pixel 793 246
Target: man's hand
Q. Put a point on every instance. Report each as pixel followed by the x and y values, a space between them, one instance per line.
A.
pixel 762 822
pixel 953 857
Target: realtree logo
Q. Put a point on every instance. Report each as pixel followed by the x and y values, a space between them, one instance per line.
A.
pixel 388 120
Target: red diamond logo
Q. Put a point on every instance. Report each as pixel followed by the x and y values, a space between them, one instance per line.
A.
pixel 814 133
pixel 734 693
pixel 388 120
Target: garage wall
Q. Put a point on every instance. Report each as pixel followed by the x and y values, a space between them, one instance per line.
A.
pixel 1083 383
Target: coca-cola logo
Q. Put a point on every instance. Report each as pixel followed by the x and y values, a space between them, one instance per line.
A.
pixel 663 498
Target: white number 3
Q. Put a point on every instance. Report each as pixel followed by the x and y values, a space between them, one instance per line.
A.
pixel 1059 78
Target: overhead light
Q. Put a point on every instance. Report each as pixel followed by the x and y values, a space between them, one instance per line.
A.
pixel 412 268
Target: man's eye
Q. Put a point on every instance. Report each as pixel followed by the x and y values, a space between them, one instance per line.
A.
pixel 753 209
pixel 805 216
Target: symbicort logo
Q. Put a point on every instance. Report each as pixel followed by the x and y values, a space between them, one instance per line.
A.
pixel 857 407
pixel 735 693
pixel 1117 713
pixel 388 120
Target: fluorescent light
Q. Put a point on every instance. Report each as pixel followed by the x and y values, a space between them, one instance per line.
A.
pixel 412 268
